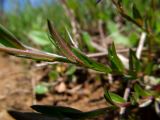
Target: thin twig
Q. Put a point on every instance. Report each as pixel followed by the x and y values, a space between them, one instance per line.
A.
pixel 141 45
pixel 45 64
pixel 157 108
pixel 110 79
pixel 126 96
pixel 98 47
pixel 100 54
pixel 138 54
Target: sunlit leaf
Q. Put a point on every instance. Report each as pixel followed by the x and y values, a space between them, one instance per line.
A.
pixel 114 59
pixel 113 98
pixel 41 89
pixel 108 98
pixel 87 40
pixel 91 63
pixel 140 92
pixel 39 37
pixel 71 70
pixel 116 35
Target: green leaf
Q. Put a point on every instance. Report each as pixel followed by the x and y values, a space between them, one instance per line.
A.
pixel 41 89
pixel 134 64
pixel 113 98
pixel 87 40
pixel 56 111
pixel 29 116
pixel 114 59
pixel 9 40
pixel 71 70
pixel 117 98
pixel 86 61
pixel 112 27
pixel 137 16
pixel 116 35
pixel 140 92
pixel 67 112
pixel 60 44
pixel 39 37
pixel 53 75
pixel 108 98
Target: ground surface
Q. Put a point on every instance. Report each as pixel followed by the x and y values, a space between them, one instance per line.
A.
pixel 17 79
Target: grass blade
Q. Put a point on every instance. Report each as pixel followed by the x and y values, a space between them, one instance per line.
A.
pixel 9 40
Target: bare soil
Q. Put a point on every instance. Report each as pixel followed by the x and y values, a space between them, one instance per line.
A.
pixel 18 79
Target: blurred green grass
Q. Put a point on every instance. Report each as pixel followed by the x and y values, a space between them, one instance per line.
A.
pixel 30 24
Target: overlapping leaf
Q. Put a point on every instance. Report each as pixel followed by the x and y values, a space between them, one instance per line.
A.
pixel 114 59
pixel 140 92
pixel 73 54
pixel 134 64
pixel 15 47
pixel 91 63
pixel 60 44
pixel 113 98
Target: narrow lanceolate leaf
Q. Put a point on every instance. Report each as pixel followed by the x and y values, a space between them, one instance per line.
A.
pixel 87 62
pixel 115 61
pixel 137 16
pixel 67 112
pixel 134 64
pixel 37 55
pixel 29 116
pixel 61 45
pixel 55 111
pixel 114 99
pixel 140 92
pixel 9 40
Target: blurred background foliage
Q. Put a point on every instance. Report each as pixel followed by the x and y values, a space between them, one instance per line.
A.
pixel 27 20
pixel 86 21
